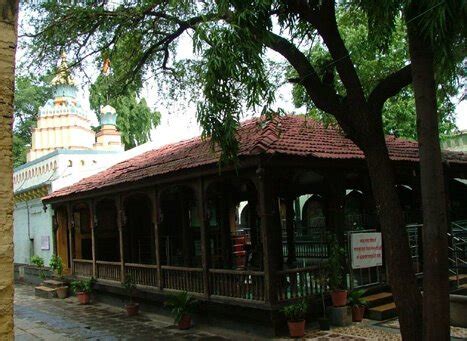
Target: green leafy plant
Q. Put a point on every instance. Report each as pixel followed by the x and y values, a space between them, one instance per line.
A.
pixel 295 312
pixel 336 265
pixel 323 281
pixel 130 286
pixel 181 304
pixel 56 265
pixel 37 261
pixel 356 298
pixel 86 285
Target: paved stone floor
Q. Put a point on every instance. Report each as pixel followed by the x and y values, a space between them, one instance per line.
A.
pixel 53 319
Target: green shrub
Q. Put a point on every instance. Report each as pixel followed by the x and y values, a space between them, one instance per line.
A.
pixel 336 265
pixel 83 285
pixel 130 286
pixel 181 304
pixel 355 297
pixel 56 265
pixel 37 261
pixel 295 312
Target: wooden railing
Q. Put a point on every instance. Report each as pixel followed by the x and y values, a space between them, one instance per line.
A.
pixel 182 278
pixel 83 267
pixel 297 283
pixel 248 285
pixel 109 270
pixel 142 274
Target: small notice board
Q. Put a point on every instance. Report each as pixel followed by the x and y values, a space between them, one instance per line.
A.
pixel 366 250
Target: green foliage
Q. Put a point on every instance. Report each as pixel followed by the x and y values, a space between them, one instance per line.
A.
pixel 56 265
pixel 31 92
pixel 230 73
pixel 181 304
pixel 336 263
pixel 37 261
pixel 135 119
pixel 130 286
pixel 85 285
pixel 372 65
pixel 295 312
pixel 356 297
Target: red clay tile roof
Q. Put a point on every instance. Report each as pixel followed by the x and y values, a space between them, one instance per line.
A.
pixel 287 135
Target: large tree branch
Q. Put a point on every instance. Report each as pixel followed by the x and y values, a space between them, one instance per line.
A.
pixel 322 16
pixel 389 87
pixel 324 97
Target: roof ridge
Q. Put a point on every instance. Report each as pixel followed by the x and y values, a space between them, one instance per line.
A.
pixel 269 134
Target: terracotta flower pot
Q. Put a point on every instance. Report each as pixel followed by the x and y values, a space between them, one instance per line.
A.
pixel 62 292
pixel 296 329
pixel 132 309
pixel 357 313
pixel 185 322
pixel 339 298
pixel 83 297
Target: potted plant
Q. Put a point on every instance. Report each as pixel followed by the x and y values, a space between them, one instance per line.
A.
pixel 295 314
pixel 132 308
pixel 83 289
pixel 336 274
pixel 182 306
pixel 56 265
pixel 323 279
pixel 358 304
pixel 39 262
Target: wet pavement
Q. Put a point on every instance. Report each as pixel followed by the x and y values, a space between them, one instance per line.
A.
pixel 54 319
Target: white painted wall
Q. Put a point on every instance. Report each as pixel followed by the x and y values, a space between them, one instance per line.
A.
pixel 28 233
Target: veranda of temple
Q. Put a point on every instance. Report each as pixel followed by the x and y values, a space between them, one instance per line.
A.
pixel 251 234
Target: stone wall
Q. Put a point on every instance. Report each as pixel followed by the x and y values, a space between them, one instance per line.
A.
pixel 8 24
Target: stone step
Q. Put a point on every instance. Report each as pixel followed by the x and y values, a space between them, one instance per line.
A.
pixel 45 292
pixel 52 283
pixel 378 299
pixel 382 312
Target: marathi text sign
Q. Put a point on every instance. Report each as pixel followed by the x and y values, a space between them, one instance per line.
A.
pixel 366 249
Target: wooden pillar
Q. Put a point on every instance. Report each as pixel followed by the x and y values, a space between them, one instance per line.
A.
pixel 120 214
pixel 289 225
pixel 224 215
pixel 256 245
pixel 270 234
pixel 335 199
pixel 200 198
pixel 93 237
pixel 155 221
pixel 54 233
pixel 71 245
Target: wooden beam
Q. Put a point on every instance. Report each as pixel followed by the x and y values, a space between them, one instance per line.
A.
pixel 267 202
pixel 204 235
pixel 291 257
pixel 93 237
pixel 155 219
pixel 120 213
pixel 70 223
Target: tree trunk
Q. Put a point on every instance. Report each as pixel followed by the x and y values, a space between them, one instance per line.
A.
pixel 8 23
pixel 396 246
pixel 435 241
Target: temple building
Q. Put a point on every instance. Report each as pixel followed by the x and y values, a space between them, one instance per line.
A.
pixel 64 150
pixel 249 238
